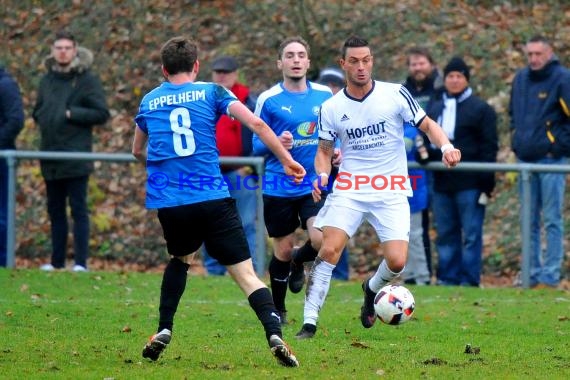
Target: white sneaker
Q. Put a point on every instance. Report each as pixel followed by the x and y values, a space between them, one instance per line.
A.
pixel 47 268
pixel 79 268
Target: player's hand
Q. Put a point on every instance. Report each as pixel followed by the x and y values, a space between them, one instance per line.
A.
pixel 286 139
pixel 295 170
pixel 451 157
pixel 337 157
pixel 318 184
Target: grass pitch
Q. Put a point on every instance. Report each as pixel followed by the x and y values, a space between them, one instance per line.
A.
pixel 93 325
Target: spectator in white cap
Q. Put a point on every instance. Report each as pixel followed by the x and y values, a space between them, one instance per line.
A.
pixel 332 77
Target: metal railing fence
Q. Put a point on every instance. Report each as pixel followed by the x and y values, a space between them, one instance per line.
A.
pixel 524 169
pixel 12 157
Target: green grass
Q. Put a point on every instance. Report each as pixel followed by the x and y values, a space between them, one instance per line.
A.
pixel 93 326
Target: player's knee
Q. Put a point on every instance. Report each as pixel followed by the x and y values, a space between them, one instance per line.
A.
pixel 329 254
pixel 396 264
pixel 185 258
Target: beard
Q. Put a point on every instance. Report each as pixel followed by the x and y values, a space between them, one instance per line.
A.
pixel 420 78
pixel 296 79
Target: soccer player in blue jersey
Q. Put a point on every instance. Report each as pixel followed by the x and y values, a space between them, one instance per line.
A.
pixel 291 108
pixel 175 137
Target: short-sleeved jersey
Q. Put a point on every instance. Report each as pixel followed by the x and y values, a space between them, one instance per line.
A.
pixel 296 112
pixel 371 134
pixel 182 158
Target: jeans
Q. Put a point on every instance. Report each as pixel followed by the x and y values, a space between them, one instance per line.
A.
pixel 247 210
pixel 416 266
pixel 3 211
pixel 57 193
pixel 546 197
pixel 459 224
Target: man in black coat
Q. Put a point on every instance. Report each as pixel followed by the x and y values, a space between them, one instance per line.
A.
pixel 70 102
pixel 11 123
pixel 459 198
pixel 424 83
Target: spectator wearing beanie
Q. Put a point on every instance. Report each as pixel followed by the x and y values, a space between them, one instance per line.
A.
pixel 459 199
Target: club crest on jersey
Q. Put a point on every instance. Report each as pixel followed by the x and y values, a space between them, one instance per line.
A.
pixel 307 129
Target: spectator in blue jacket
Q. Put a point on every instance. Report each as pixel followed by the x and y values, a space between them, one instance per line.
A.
pixel 11 123
pixel 540 124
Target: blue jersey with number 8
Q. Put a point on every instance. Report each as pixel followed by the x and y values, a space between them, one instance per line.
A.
pixel 182 157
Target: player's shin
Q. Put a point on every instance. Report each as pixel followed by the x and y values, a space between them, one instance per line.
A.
pixel 382 276
pixel 317 289
pixel 262 303
pixel 171 290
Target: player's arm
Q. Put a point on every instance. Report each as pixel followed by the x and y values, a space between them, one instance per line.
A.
pixel 139 145
pixel 323 158
pixel 261 129
pixel 436 135
pixel 323 163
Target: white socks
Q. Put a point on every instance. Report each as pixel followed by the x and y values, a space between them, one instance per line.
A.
pixel 318 286
pixel 382 276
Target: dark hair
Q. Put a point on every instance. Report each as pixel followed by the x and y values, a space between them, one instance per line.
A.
pixel 290 40
pixel 539 38
pixel 64 34
pixel 352 42
pixel 420 50
pixel 178 55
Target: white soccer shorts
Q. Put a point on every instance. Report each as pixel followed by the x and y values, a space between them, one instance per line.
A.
pixel 389 216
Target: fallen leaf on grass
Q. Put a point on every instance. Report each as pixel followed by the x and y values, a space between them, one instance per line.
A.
pixel 471 350
pixel 359 345
pixel 435 361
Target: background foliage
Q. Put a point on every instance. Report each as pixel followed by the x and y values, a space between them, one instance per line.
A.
pixel 126 36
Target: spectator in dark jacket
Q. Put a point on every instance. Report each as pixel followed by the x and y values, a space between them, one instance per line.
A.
pixel 540 124
pixel 424 82
pixel 11 123
pixel 459 199
pixel 70 102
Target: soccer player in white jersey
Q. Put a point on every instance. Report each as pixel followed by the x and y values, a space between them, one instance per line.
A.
pixel 368 118
pixel 175 137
